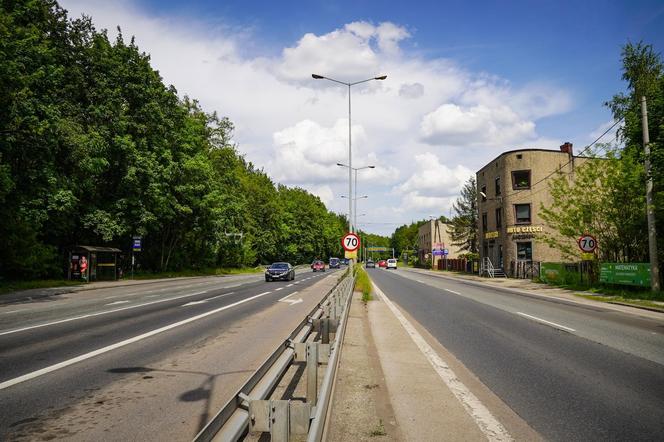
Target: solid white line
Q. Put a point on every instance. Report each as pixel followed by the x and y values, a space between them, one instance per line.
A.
pixel 43 371
pixel 553 324
pixel 98 313
pixel 452 291
pixel 280 288
pixel 488 424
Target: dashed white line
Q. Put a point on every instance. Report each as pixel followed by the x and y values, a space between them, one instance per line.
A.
pixel 452 291
pixel 544 321
pixel 289 285
pixel 83 357
pixel 14 311
pixel 220 296
pixel 118 302
pixel 98 313
pixel 280 288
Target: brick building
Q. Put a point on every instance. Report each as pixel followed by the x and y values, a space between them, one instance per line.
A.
pixel 511 190
pixel 433 235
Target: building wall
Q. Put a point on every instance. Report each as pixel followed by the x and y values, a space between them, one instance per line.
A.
pixel 508 241
pixel 428 237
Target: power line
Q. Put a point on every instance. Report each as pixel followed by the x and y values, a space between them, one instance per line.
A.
pixel 570 160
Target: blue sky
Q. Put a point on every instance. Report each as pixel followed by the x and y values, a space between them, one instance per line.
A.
pixel 466 80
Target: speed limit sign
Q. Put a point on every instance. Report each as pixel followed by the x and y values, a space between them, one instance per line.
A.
pixel 587 243
pixel 350 242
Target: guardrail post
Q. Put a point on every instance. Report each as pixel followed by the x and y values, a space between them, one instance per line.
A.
pixel 279 421
pixel 312 373
pixel 325 330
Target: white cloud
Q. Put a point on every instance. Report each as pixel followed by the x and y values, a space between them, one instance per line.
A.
pixel 431 123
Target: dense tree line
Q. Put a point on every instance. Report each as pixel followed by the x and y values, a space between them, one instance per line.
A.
pixel 94 148
pixel 607 197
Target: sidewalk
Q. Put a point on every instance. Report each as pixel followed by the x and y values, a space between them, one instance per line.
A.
pixel 530 288
pixel 392 385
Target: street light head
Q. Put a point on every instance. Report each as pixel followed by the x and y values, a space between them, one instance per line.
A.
pixel 344 196
pixel 371 167
pixel 341 164
pixel 317 77
pixel 364 196
pixel 382 77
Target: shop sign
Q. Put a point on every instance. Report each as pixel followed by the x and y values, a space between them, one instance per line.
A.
pixel 491 235
pixel 525 229
pixel 625 274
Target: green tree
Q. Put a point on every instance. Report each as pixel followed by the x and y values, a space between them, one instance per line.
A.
pixel 463 229
pixel 603 197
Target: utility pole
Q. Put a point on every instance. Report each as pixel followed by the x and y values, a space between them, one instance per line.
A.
pixel 650 209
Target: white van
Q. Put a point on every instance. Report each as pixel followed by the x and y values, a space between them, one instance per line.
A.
pixel 392 263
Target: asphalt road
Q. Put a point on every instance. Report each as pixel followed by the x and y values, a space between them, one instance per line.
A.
pixel 572 372
pixel 56 354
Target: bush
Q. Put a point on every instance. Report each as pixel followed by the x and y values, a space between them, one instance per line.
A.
pixel 362 282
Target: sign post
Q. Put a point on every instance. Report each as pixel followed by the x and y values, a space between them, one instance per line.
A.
pixel 136 246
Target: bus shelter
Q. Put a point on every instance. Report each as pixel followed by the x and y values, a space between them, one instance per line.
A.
pixel 89 263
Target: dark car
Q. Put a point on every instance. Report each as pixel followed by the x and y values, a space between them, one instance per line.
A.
pixel 370 264
pixel 335 263
pixel 345 261
pixel 318 266
pixel 280 270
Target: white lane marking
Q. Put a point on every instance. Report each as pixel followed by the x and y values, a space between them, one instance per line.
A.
pixel 195 303
pixel 98 313
pixel 14 311
pixel 488 424
pixel 553 324
pixel 291 301
pixel 452 291
pixel 83 357
pixel 203 301
pixel 280 288
pixel 118 302
pixel 420 281
pixel 289 285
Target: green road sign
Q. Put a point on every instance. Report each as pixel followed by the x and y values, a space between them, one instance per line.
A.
pixel 377 249
pixel 625 273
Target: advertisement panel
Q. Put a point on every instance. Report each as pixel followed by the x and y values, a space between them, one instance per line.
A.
pixel 552 272
pixel 637 274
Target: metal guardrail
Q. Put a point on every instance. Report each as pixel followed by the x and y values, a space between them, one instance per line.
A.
pixel 250 410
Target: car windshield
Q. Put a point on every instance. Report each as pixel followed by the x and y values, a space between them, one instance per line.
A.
pixel 279 265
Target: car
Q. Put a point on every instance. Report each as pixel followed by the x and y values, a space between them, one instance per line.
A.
pixel 318 266
pixel 370 264
pixel 280 271
pixel 345 261
pixel 335 263
pixel 391 264
pixel 382 263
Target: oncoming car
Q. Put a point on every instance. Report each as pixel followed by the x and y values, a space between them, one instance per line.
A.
pixel 370 264
pixel 335 263
pixel 280 271
pixel 318 266
pixel 391 264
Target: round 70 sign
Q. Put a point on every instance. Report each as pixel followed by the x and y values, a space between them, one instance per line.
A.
pixel 350 242
pixel 587 243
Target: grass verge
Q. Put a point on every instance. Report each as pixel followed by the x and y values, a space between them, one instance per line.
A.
pixel 13 286
pixel 196 272
pixel 623 300
pixel 362 282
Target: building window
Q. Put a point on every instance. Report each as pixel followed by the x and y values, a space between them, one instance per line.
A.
pixel 522 213
pixel 484 222
pixel 519 156
pixel 497 186
pixel 499 218
pixel 483 193
pixel 521 179
pixel 524 251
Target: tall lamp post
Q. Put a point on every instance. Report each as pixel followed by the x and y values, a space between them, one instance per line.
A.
pixel 350 152
pixel 355 189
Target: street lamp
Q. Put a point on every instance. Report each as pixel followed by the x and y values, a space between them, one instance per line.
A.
pixel 355 199
pixel 350 152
